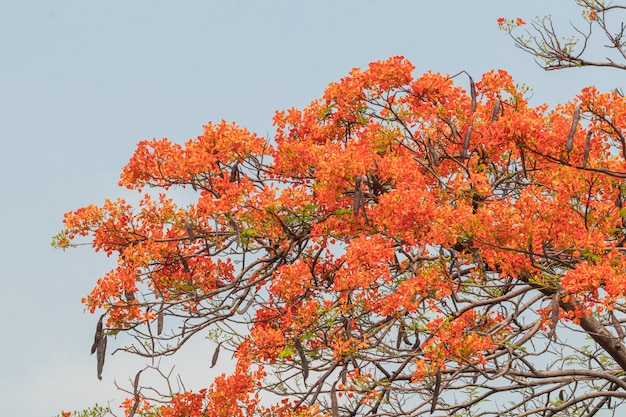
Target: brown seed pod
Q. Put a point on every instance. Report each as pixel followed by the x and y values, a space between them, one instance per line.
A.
pixel 569 145
pixel 303 359
pixel 97 336
pixel 433 405
pixel 497 108
pixel 216 355
pixel 160 320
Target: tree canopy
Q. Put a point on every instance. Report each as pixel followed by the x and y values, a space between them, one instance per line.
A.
pixel 400 247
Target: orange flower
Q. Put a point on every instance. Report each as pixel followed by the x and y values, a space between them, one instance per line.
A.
pixel 347 239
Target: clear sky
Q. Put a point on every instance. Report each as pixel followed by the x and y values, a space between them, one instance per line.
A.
pixel 82 81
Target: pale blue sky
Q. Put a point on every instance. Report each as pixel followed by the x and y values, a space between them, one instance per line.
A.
pixel 82 81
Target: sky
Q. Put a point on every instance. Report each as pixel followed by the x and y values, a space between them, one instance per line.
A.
pixel 81 82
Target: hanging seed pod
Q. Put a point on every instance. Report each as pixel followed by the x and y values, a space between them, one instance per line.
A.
pixel 190 232
pixel 160 320
pixel 523 159
pixel 418 342
pixel 357 196
pixel 466 142
pixel 102 348
pixel 433 154
pixel 569 145
pixel 472 92
pixel 234 173
pixel 216 355
pixel 401 334
pixel 497 108
pixel 303 359
pixel 97 336
pixel 334 406
pixel 433 405
pixel 136 395
pixel 136 383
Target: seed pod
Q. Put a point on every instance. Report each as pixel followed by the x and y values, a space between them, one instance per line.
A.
pixel 334 406
pixel 497 108
pixel 433 154
pixel 97 336
pixel 136 383
pixel 234 173
pixel 377 187
pixel 160 320
pixel 303 359
pixel 189 230
pixel 466 141
pixel 357 196
pixel 102 347
pixel 401 333
pixel 433 405
pixel 472 92
pixel 569 145
pixel 136 393
pixel 418 342
pixel 216 354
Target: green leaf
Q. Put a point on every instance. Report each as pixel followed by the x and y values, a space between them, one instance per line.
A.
pixel 286 352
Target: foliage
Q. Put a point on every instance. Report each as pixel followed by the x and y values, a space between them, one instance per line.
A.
pixel 401 247
pixel 95 411
pixel 552 51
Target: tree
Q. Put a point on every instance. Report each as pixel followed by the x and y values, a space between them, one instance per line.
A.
pixel 401 247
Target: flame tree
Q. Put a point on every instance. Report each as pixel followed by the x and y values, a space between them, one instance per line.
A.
pixel 400 247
